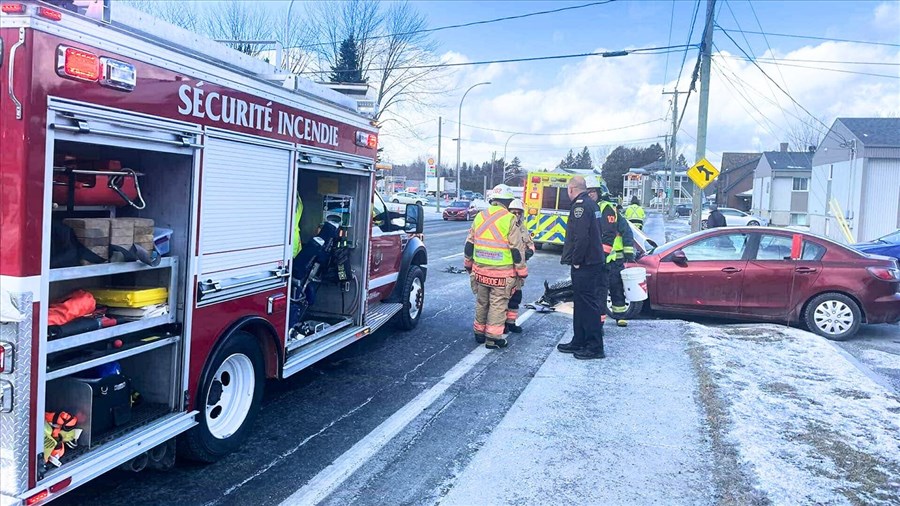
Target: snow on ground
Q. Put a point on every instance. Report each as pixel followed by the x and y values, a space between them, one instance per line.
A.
pixel 881 359
pixel 807 425
pixel 677 227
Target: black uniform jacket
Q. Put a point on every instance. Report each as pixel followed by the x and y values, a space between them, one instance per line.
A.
pixel 583 245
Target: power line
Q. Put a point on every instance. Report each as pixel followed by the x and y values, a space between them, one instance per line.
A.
pixel 557 133
pixel 843 71
pixel 803 60
pixel 604 54
pixel 774 82
pixel 810 37
pixel 690 36
pixel 465 25
pixel 671 25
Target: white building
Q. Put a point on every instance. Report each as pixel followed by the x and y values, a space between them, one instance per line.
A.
pixel 781 187
pixel 650 185
pixel 856 173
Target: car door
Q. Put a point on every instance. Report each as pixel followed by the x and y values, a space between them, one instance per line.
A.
pixel 710 278
pixel 780 271
pixel 384 258
pixel 735 218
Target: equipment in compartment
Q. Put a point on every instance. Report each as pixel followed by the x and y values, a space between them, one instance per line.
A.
pixel 131 297
pixel 337 209
pixel 78 182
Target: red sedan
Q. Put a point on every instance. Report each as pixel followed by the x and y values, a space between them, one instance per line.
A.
pixel 460 210
pixel 776 275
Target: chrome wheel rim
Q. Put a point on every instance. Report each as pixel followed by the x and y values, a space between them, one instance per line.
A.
pixel 833 317
pixel 230 396
pixel 416 296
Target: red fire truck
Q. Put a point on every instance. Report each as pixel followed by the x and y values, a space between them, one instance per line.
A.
pixel 150 185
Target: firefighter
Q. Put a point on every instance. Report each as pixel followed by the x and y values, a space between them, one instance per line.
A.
pixel 495 262
pixel 584 252
pixel 618 245
pixel 517 207
pixel 635 213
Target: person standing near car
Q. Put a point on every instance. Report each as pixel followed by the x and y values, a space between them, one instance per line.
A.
pixel 715 219
pixel 495 261
pixel 517 207
pixel 583 251
pixel 618 245
pixel 635 213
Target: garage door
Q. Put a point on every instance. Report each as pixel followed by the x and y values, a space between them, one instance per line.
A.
pixel 879 210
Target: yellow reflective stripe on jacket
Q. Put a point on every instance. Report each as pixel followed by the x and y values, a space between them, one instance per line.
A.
pixel 298 213
pixel 490 234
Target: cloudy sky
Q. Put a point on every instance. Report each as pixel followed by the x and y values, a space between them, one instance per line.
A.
pixel 619 100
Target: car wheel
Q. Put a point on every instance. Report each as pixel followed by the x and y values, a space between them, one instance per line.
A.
pixel 752 223
pixel 445 218
pixel 634 308
pixel 702 224
pixel 833 316
pixel 538 245
pixel 413 298
pixel 228 400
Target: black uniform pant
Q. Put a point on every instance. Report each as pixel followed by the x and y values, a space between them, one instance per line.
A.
pixel 616 288
pixel 590 285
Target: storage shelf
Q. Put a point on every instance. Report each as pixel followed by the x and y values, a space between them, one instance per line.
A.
pixel 77 340
pixel 90 271
pixel 104 358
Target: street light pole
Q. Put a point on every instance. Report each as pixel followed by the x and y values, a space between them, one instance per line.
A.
pixel 504 154
pixel 459 137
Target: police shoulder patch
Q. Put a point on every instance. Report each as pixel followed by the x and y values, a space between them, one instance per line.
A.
pixel 578 212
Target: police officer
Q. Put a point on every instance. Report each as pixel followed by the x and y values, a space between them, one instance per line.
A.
pixel 517 207
pixel 618 245
pixel 494 259
pixel 635 213
pixel 584 252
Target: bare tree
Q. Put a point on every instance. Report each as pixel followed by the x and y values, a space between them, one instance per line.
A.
pixel 239 21
pixel 296 36
pixel 182 14
pixel 805 134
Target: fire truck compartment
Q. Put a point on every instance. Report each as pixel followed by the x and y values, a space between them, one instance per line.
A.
pixel 344 199
pixel 145 346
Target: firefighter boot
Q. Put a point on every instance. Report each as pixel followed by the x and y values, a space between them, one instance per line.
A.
pixel 512 327
pixel 479 338
pixel 496 344
pixel 622 322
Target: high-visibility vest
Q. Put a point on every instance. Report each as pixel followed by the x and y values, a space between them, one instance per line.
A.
pixel 298 213
pixel 491 235
pixel 635 213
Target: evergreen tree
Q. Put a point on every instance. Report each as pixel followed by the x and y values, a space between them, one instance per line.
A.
pixel 347 67
pixel 568 162
pixel 583 160
pixel 681 161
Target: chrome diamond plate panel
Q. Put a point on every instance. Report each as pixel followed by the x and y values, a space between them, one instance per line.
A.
pixel 14 429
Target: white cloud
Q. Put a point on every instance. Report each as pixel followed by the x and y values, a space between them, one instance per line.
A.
pixel 747 111
pixel 887 17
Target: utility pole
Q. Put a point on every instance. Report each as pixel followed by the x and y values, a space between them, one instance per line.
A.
pixel 703 114
pixel 437 170
pixel 493 158
pixel 672 156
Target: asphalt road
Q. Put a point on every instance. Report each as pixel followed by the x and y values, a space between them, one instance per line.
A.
pixel 314 417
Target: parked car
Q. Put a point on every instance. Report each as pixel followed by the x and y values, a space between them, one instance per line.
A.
pixel 460 210
pixel 683 209
pixel 888 245
pixel 478 196
pixel 735 218
pixel 468 195
pixel 408 198
pixel 776 275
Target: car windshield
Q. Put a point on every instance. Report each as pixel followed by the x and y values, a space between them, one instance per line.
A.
pixel 677 243
pixel 890 238
pixel 459 203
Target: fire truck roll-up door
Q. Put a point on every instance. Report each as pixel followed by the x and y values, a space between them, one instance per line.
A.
pixel 245 209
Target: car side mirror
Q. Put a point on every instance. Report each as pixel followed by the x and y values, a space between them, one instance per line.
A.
pixel 679 257
pixel 415 219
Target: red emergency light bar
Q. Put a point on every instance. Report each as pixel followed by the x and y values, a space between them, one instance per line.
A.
pixel 12 8
pixel 50 14
pixel 77 64
pixel 367 140
pixel 535 179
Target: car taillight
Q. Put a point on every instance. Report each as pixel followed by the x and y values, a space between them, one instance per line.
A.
pixel 77 64
pixel 884 273
pixel 36 498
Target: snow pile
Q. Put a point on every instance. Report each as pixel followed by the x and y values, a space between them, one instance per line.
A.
pixel 808 426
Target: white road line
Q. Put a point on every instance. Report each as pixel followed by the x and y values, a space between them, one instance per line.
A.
pixel 442 234
pixel 448 257
pixel 330 478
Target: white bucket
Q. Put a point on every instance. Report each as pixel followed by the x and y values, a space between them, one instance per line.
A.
pixel 635 281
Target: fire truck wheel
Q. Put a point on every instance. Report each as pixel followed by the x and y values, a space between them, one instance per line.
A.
pixel 413 298
pixel 228 401
pixel 538 245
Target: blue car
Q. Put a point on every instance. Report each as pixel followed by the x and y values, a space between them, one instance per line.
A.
pixel 888 245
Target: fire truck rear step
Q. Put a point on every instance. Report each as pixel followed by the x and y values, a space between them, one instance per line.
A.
pixel 379 314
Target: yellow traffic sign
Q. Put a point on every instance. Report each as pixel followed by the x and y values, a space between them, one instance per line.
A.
pixel 703 173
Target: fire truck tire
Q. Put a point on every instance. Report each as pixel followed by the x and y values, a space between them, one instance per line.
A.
pixel 228 401
pixel 538 245
pixel 413 298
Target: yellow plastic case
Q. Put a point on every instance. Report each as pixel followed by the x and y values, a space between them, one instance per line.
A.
pixel 133 296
